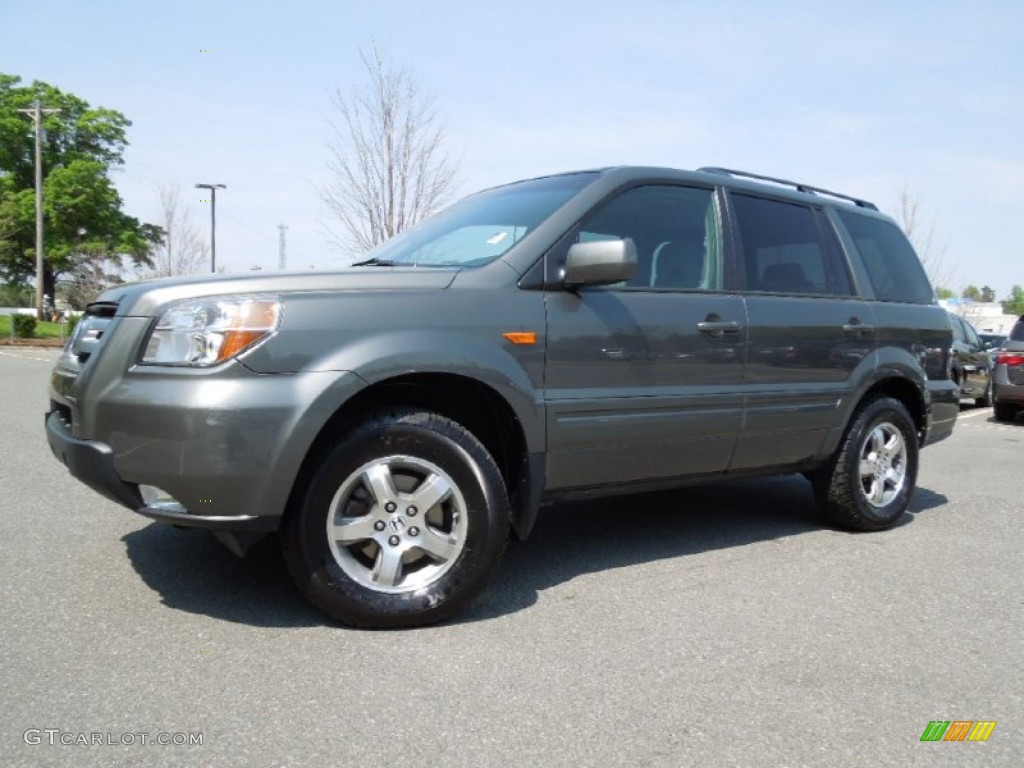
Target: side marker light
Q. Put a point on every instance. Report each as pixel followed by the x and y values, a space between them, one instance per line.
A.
pixel 521 337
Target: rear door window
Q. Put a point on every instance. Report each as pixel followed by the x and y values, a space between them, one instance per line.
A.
pixel 784 251
pixel 972 335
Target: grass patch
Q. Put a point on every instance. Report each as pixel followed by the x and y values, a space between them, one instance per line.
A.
pixel 43 330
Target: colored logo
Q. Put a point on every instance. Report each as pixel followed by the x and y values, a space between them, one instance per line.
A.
pixel 958 730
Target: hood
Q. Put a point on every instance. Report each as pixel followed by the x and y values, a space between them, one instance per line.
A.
pixel 145 299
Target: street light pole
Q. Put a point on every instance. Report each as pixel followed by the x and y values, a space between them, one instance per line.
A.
pixel 36 113
pixel 213 221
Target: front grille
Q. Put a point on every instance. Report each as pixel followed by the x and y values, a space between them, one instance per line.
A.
pixel 63 413
pixel 89 332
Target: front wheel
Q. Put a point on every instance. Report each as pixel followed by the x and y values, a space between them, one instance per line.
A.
pixel 402 523
pixel 869 482
pixel 985 400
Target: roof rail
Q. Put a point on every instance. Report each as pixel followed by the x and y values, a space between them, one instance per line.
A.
pixel 786 183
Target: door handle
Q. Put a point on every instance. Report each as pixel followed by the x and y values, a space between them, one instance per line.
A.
pixel 718 328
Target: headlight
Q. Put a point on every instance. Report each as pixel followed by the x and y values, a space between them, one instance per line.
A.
pixel 205 332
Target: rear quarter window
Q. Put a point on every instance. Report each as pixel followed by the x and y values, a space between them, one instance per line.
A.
pixel 892 266
pixel 1017 334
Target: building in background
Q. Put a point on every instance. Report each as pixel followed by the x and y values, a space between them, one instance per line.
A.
pixel 985 316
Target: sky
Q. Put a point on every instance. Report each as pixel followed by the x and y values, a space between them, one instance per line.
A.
pixel 867 98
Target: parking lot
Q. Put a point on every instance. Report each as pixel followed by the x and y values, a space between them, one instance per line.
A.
pixel 711 626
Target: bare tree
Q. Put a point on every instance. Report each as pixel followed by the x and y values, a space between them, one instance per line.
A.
pixel 389 167
pixel 89 278
pixel 182 251
pixel 922 236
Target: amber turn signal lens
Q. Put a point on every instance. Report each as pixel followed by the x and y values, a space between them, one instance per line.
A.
pixel 521 337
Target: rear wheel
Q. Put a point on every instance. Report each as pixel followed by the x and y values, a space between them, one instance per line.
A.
pixel 401 525
pixel 868 484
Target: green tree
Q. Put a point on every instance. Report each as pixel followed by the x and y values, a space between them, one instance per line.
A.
pixel 987 294
pixel 83 217
pixel 944 293
pixel 14 295
pixel 971 292
pixel 1014 305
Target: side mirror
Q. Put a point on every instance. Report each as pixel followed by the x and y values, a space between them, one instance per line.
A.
pixel 600 263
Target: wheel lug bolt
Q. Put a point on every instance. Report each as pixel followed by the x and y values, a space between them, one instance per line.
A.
pixel 414 531
pixel 390 506
pixel 393 541
pixel 411 511
pixel 379 525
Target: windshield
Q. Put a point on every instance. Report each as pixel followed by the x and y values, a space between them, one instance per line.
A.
pixel 481 227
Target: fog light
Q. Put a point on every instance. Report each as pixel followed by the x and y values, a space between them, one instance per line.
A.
pixel 158 498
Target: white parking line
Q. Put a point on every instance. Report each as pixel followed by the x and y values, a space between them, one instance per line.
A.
pixel 27 357
pixel 979 412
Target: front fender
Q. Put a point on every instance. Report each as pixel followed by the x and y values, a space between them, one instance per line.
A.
pixel 392 354
pixel 380 336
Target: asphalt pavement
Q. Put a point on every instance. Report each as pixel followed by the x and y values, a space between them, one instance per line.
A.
pixel 712 626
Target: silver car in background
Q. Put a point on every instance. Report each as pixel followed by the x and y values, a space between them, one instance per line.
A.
pixel 1008 375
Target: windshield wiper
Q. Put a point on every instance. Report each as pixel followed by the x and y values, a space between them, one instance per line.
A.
pixel 375 262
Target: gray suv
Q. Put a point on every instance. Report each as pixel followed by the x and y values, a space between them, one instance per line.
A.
pixel 601 332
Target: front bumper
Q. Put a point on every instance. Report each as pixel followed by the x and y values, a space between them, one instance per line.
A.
pixel 92 463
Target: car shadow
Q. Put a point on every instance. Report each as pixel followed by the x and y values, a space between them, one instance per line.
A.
pixel 1018 420
pixel 576 538
pixel 192 572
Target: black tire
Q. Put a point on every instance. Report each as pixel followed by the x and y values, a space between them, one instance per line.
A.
pixel 379 577
pixel 843 493
pixel 1004 412
pixel 985 400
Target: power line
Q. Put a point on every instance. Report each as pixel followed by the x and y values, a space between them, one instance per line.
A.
pixel 155 178
pixel 243 225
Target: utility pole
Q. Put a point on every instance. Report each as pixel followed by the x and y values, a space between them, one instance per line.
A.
pixel 36 113
pixel 213 221
pixel 282 261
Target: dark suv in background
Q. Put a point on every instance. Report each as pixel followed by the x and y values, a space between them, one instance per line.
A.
pixel 1008 375
pixel 972 363
pixel 589 333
